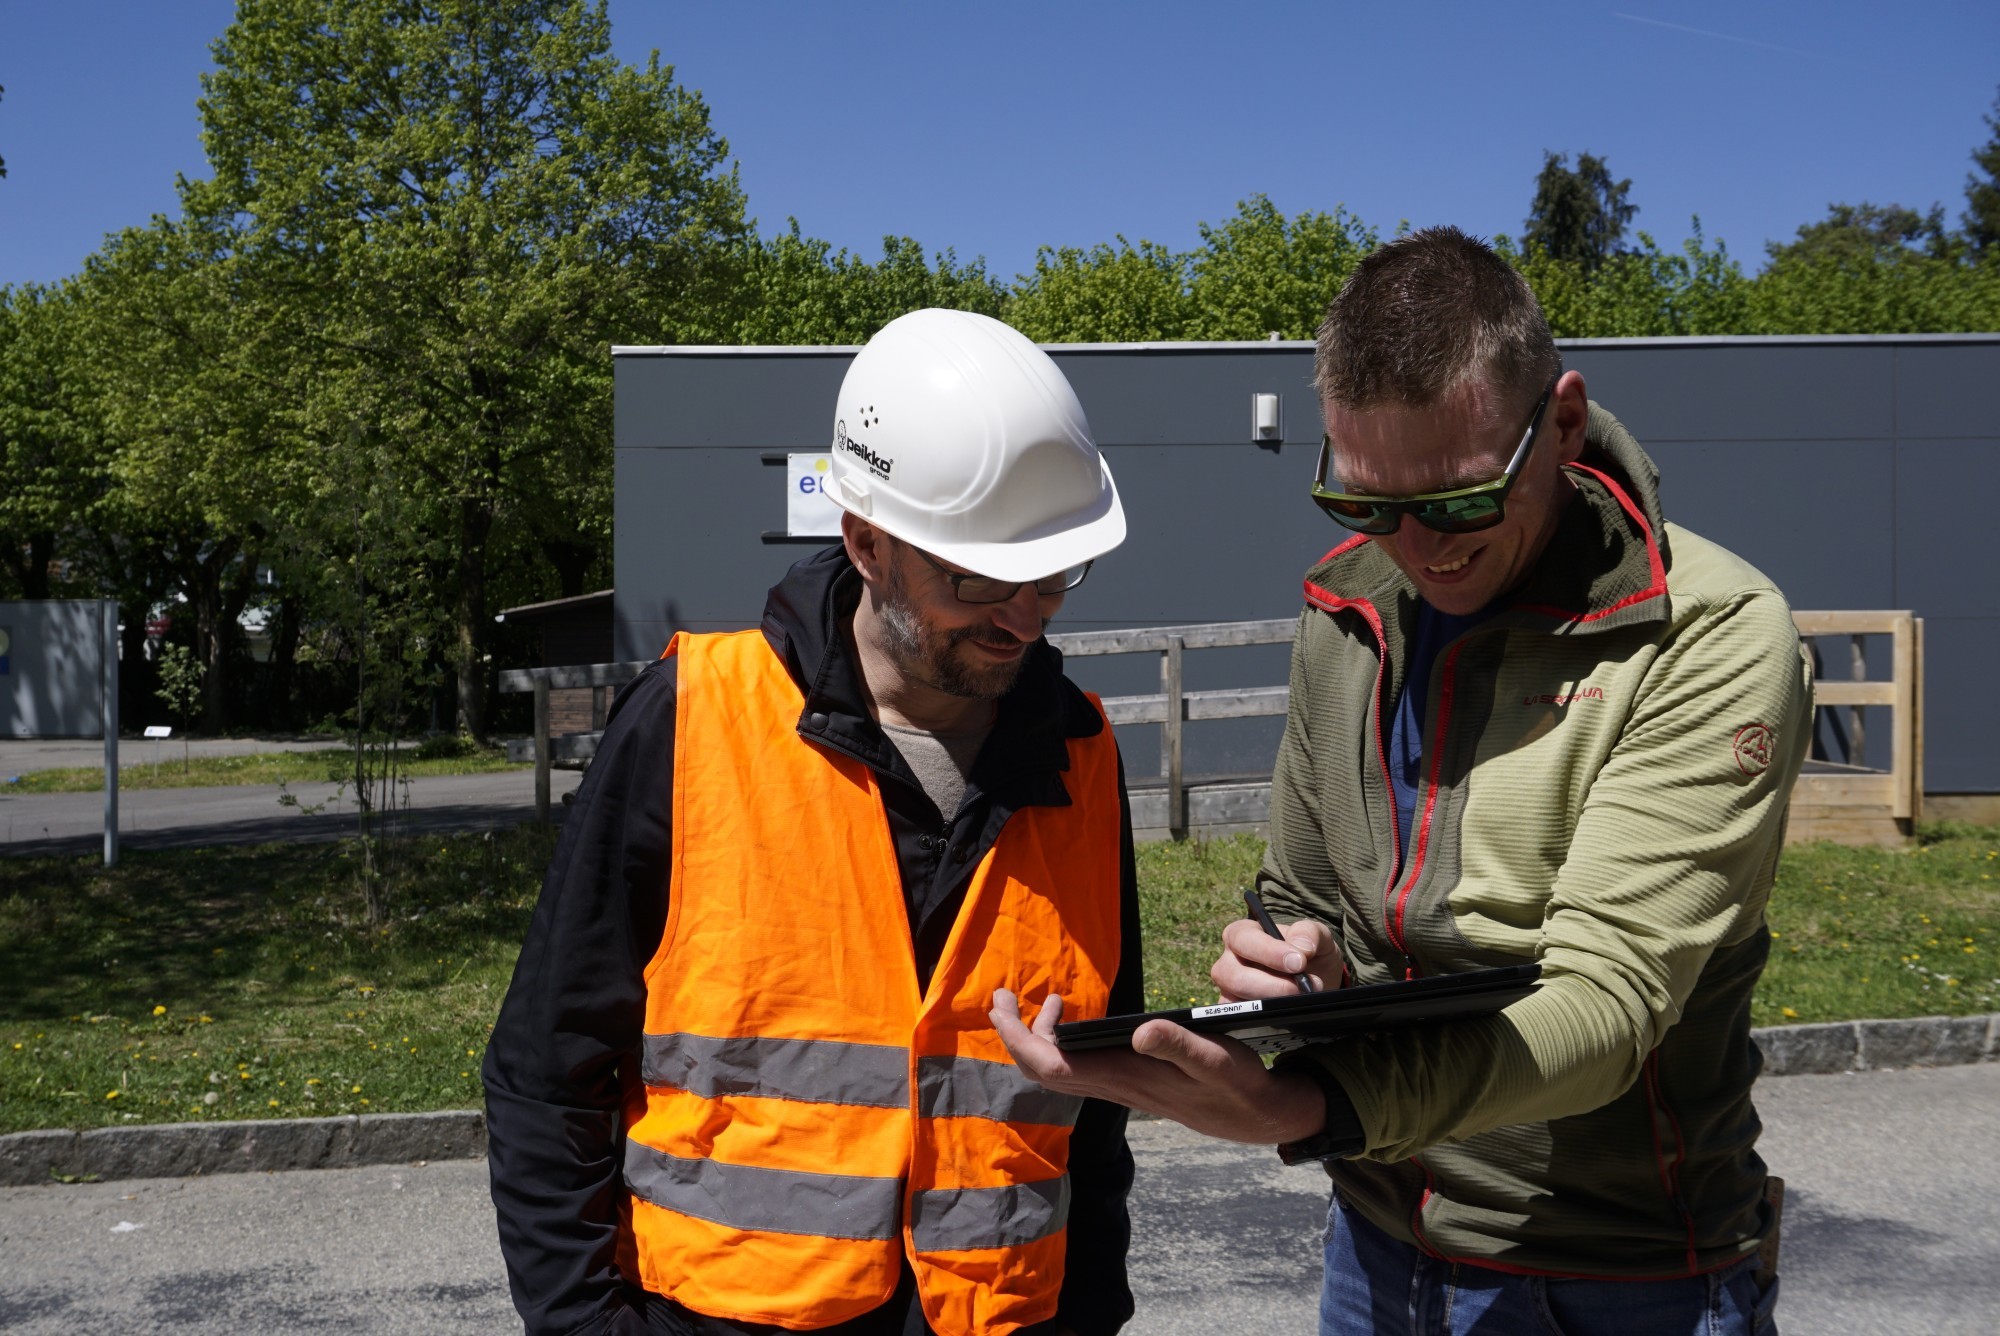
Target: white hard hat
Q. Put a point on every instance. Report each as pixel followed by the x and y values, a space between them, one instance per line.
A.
pixel 958 435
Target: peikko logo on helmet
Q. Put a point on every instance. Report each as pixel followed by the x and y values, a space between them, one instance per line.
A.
pixel 876 464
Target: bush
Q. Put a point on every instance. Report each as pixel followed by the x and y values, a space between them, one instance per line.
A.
pixel 445 747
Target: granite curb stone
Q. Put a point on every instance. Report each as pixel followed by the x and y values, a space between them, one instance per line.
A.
pixel 178 1150
pixel 1859 1046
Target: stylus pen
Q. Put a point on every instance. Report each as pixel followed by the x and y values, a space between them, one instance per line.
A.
pixel 1263 917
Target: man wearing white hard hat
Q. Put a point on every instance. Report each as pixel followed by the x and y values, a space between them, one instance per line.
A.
pixel 745 1079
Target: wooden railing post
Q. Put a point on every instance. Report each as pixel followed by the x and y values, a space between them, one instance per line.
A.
pixel 1170 736
pixel 1903 652
pixel 1857 736
pixel 542 750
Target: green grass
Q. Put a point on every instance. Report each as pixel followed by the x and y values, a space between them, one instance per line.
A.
pixel 1885 933
pixel 1187 891
pixel 1859 933
pixel 295 767
pixel 244 982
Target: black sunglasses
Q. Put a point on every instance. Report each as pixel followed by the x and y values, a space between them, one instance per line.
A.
pixel 1461 510
pixel 972 588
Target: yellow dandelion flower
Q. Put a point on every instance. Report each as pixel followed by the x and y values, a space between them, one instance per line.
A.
pixel 111 1094
pixel 1790 1015
pixel 159 1011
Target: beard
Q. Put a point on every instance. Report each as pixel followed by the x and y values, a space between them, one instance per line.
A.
pixel 930 654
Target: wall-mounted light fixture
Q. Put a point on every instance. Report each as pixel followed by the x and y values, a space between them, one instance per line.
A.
pixel 1267 418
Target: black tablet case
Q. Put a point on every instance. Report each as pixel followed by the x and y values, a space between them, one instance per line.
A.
pixel 1275 1024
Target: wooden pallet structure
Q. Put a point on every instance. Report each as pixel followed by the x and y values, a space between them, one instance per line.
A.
pixel 1836 799
pixel 1846 800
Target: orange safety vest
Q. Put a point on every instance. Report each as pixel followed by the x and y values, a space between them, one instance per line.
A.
pixel 807 1118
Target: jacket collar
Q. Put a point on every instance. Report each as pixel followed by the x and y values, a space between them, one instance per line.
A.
pixel 1606 565
pixel 806 616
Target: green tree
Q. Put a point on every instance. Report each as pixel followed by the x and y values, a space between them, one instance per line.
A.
pixel 52 452
pixel 201 402
pixel 1259 274
pixel 1981 219
pixel 1852 233
pixel 795 289
pixel 444 211
pixel 1255 274
pixel 1578 215
pixel 180 690
pixel 1875 269
pixel 1646 292
pixel 1122 294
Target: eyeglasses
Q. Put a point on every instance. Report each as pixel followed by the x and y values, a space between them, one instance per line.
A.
pixel 1461 510
pixel 972 588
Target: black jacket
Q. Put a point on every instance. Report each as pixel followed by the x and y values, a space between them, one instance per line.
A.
pixel 568 1035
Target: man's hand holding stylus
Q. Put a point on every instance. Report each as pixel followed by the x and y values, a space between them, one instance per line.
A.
pixel 1255 964
pixel 1218 1087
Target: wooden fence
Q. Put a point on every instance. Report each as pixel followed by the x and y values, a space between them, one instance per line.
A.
pixel 1841 799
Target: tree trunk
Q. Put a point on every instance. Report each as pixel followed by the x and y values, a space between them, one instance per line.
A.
pixel 572 562
pixel 287 629
pixel 203 587
pixel 30 564
pixel 137 678
pixel 475 526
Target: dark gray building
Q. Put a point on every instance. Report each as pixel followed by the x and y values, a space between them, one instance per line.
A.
pixel 1858 472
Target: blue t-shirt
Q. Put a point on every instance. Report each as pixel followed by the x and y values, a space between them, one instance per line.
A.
pixel 1433 631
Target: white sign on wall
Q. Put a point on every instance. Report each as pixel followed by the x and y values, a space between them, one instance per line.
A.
pixel 808 513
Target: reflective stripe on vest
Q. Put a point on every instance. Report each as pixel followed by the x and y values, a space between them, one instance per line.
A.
pixel 817 1071
pixel 846 1207
pixel 810 1118
pixel 949 1220
pixel 976 1088
pixel 821 1071
pixel 838 1206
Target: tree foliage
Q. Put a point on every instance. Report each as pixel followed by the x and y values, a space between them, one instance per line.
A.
pixel 1981 219
pixel 795 289
pixel 1107 294
pixel 444 211
pixel 52 451
pixel 1578 215
pixel 1256 274
pixel 1259 274
pixel 1645 292
pixel 357 390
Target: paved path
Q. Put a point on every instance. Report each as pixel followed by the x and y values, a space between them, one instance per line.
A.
pixel 1893 1227
pixel 18 756
pixel 52 823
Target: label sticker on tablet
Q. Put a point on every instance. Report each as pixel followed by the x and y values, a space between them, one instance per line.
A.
pixel 1226 1009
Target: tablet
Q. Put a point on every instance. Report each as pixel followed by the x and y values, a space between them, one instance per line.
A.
pixel 1274 1024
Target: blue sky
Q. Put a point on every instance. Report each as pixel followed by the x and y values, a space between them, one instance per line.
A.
pixel 993 129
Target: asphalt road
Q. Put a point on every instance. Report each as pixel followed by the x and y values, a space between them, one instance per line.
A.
pixel 1893 1226
pixel 71 823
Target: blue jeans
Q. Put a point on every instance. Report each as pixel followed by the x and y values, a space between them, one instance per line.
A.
pixel 1376 1285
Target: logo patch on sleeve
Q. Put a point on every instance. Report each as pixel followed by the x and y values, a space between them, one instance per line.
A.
pixel 1755 744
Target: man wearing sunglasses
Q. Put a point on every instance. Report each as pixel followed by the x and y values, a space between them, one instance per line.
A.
pixel 1530 721
pixel 744 1079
